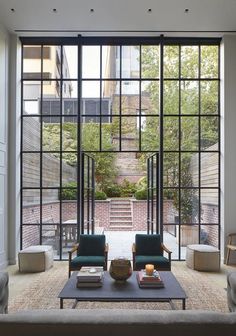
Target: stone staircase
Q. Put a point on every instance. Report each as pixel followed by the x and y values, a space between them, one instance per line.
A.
pixel 120 214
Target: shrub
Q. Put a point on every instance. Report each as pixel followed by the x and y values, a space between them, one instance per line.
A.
pixel 127 188
pixel 141 194
pixel 67 193
pixel 100 195
pixel 113 190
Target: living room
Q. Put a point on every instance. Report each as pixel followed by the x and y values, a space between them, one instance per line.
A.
pixel 117 119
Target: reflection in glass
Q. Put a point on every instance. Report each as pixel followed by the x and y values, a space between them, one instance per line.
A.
pixel 150 97
pixel 171 169
pixel 189 61
pixel 189 133
pixel 171 97
pixel 189 97
pixel 209 97
pixel 189 169
pixel 171 133
pixel 171 61
pixel 150 61
pixel 209 61
pixel 129 134
pixel 189 206
pixel 209 133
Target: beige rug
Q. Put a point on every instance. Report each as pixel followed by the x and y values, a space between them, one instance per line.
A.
pixel 204 290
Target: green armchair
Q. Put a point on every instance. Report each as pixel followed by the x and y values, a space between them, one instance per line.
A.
pixel 148 249
pixel 91 250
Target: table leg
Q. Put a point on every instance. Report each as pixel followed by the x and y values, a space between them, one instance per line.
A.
pixel 75 304
pixel 184 304
pixel 61 303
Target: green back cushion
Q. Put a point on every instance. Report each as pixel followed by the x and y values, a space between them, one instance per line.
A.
pixel 91 245
pixel 148 244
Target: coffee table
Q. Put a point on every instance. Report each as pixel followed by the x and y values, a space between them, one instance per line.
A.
pixel 112 291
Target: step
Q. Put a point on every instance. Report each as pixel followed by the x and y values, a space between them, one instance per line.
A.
pixel 121 228
pixel 120 206
pixel 120 222
pixel 119 203
pixel 120 218
pixel 120 213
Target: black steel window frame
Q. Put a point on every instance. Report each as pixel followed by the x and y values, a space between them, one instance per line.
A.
pixel 162 42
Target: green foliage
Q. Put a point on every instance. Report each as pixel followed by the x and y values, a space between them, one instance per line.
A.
pixel 67 193
pixel 100 195
pixel 141 194
pixel 113 190
pixel 142 183
pixel 127 188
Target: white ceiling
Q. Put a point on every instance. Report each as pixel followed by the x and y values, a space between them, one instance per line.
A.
pixel 74 16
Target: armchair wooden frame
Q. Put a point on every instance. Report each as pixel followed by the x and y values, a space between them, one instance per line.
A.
pixel 164 249
pixel 230 246
pixel 75 248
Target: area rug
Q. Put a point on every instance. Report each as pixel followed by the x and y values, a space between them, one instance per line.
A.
pixel 203 292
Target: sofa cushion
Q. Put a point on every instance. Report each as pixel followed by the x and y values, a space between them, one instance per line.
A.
pixel 231 291
pixel 80 261
pixel 148 244
pixel 141 261
pixel 91 245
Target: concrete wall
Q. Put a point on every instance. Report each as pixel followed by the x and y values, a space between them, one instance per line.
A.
pixel 4 52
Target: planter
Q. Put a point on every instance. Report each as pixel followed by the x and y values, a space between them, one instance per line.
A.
pixel 189 234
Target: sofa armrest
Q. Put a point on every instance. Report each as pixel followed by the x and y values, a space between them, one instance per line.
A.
pixel 231 291
pixel 4 292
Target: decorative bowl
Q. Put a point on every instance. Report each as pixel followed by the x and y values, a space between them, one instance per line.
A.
pixel 120 269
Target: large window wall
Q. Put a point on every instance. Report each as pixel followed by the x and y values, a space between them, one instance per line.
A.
pixel 104 96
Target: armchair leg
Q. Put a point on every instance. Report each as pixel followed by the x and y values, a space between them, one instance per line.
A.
pixel 69 273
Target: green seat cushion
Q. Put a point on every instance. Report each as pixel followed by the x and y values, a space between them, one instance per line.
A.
pixel 149 245
pixel 91 245
pixel 88 261
pixel 141 261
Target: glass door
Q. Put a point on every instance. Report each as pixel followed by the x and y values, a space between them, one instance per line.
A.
pixel 152 194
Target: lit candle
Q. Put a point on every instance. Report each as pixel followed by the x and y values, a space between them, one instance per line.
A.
pixel 149 268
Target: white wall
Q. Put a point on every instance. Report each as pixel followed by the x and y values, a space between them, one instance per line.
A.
pixel 4 41
pixel 228 130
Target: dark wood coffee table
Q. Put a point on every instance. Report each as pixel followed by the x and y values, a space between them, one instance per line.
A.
pixel 129 291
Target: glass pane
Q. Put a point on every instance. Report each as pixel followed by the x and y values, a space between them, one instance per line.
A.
pixel 210 206
pixel 69 134
pixel 189 133
pixel 49 196
pixel 171 61
pixel 130 62
pixel 189 97
pixel 189 170
pixel 171 133
pixel 209 133
pixel 51 170
pixel 130 97
pixel 209 97
pixel 171 97
pixel 69 206
pixel 69 236
pixel 51 104
pixel 70 61
pixel 90 89
pixel 51 236
pixel 189 206
pixel 31 134
pixel 91 134
pixel 209 61
pixel 129 134
pixel 209 235
pixel 30 235
pixel 150 61
pixel 51 134
pixel 149 133
pixel 171 206
pixel 189 61
pixel 209 169
pixel 69 169
pixel 50 209
pixel 52 62
pixel 150 97
pixel 110 61
pixel 171 169
pixel 90 61
pixel 189 234
pixel 31 208
pixel 31 97
pixel 110 133
pixel 32 62
pixel 110 98
pixel 31 170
